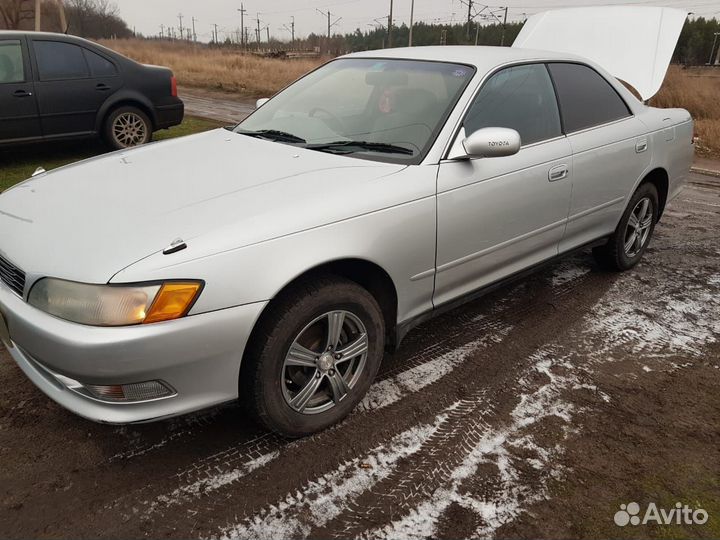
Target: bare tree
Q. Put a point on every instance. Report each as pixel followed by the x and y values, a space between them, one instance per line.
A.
pixel 14 12
pixel 95 19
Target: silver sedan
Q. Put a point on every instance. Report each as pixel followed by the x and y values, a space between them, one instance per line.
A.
pixel 276 261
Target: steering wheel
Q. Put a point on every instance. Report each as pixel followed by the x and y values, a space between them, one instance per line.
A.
pixel 330 119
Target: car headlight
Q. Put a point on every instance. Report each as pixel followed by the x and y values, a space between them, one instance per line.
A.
pixel 114 305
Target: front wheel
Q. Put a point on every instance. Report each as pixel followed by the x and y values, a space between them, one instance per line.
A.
pixel 126 127
pixel 314 356
pixel 626 246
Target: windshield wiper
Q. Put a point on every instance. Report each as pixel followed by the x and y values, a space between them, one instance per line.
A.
pixel 349 147
pixel 273 135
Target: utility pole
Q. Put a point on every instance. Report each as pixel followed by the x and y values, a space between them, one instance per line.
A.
pixel 38 15
pixel 390 25
pixel 257 33
pixel 329 24
pixel 63 18
pixel 470 17
pixel 412 14
pixel 182 34
pixel 502 38
pixel 216 34
pixel 194 34
pixel 268 34
pixel 162 31
pixel 242 11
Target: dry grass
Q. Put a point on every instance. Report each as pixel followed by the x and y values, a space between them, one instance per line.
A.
pixel 217 69
pixel 698 91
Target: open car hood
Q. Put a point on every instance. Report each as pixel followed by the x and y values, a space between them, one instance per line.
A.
pixel 634 44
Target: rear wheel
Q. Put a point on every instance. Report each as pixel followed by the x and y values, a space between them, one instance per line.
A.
pixel 632 236
pixel 126 127
pixel 314 356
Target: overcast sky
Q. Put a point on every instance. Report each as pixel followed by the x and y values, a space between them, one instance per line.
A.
pixel 147 15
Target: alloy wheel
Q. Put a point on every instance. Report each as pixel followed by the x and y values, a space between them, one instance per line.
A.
pixel 129 129
pixel 638 228
pixel 324 362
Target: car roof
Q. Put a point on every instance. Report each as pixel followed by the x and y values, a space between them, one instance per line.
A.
pixel 483 58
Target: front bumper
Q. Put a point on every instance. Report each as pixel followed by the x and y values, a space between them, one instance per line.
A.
pixel 198 356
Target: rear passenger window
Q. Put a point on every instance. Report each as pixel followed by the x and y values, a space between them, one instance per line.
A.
pixel 99 66
pixel 521 98
pixel 57 61
pixel 12 69
pixel 586 98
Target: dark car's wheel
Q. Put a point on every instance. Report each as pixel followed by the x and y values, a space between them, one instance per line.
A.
pixel 632 236
pixel 126 127
pixel 314 356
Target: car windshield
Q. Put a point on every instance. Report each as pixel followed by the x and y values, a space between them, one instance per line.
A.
pixel 380 109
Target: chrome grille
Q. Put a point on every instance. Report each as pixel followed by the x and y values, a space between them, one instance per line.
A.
pixel 12 276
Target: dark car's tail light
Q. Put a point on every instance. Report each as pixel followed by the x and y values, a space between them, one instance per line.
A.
pixel 173 86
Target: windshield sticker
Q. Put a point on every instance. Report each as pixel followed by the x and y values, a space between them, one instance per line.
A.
pixel 460 73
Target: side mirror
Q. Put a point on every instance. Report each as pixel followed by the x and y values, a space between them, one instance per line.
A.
pixel 260 102
pixel 492 142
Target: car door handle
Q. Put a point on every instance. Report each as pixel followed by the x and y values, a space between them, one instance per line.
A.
pixel 558 173
pixel 102 87
pixel 22 93
pixel 641 145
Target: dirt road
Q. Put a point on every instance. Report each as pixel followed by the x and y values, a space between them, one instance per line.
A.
pixel 534 412
pixel 216 105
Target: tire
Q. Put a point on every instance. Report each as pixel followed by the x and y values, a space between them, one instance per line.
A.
pixel 126 127
pixel 616 255
pixel 298 400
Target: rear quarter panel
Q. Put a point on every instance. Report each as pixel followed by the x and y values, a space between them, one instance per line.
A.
pixel 670 132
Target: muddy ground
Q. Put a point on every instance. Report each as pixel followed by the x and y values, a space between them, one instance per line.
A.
pixel 532 413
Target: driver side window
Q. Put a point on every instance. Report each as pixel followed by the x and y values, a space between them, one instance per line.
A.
pixel 521 98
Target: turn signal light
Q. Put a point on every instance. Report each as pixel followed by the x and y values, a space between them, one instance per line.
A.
pixel 173 301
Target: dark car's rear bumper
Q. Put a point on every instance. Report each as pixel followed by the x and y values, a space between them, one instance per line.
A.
pixel 169 115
